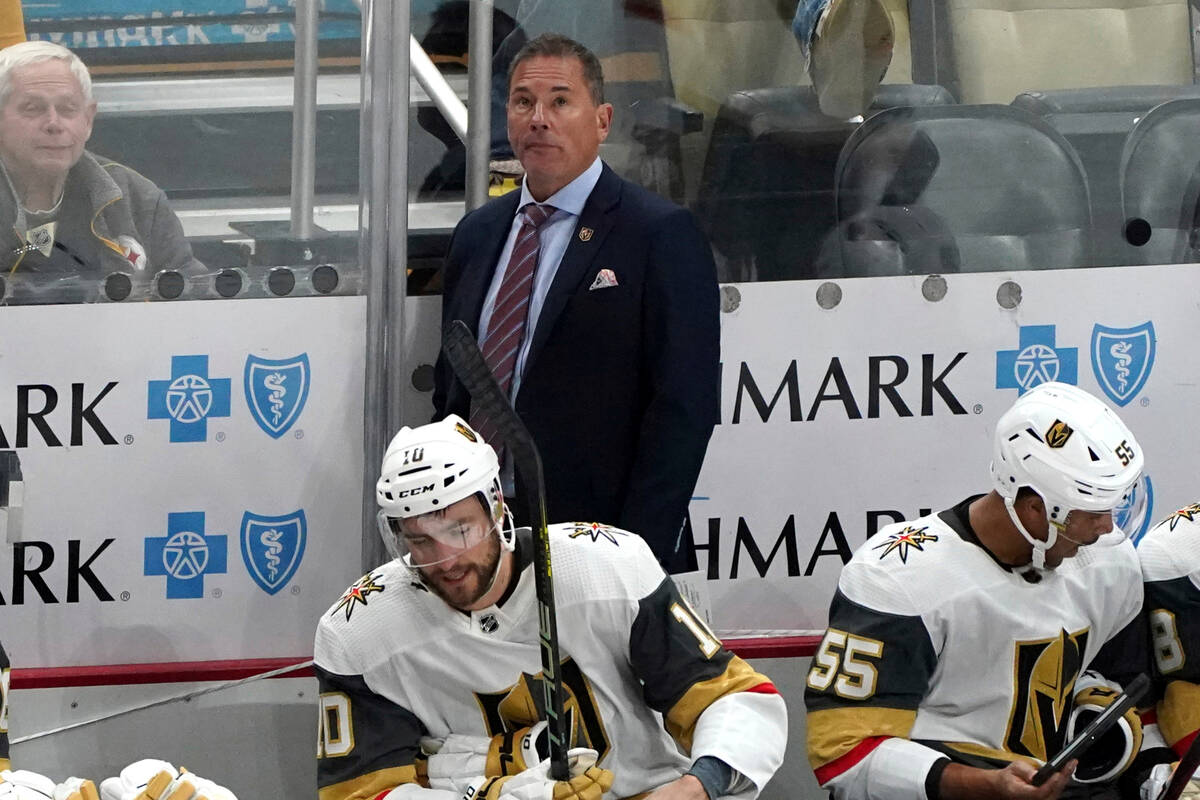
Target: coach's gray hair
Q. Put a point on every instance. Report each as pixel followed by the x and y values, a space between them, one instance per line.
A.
pixel 24 54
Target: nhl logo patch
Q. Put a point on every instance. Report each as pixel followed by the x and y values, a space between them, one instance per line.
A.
pixel 1058 434
pixel 488 623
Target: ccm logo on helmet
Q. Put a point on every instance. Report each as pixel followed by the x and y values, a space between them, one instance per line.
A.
pixel 414 492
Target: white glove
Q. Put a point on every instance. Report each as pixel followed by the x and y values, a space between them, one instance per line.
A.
pixel 22 784
pixel 76 789
pixel 154 779
pixel 586 782
pixel 1153 787
pixel 456 760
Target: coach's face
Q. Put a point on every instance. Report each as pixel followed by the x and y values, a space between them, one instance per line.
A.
pixel 554 125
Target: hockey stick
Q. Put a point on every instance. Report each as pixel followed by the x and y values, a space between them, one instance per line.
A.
pixel 1183 772
pixel 487 398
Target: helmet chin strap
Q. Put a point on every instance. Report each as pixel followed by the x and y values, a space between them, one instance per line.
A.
pixel 1039 547
pixel 506 530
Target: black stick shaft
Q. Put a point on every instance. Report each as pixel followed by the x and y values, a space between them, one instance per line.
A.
pixel 486 397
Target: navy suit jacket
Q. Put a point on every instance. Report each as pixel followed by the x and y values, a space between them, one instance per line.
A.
pixel 620 389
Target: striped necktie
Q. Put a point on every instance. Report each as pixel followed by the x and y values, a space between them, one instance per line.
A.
pixel 506 328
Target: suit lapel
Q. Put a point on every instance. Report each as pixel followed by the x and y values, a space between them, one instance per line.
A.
pixel 477 276
pixel 598 215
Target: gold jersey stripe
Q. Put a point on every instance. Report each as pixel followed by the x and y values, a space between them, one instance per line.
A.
pixel 834 732
pixel 1179 711
pixel 366 787
pixel 681 718
pixel 4 764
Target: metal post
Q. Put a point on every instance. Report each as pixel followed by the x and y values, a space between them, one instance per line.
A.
pixel 401 37
pixel 304 119
pixel 439 91
pixel 374 172
pixel 479 97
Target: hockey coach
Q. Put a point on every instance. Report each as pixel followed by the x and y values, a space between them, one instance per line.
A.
pixel 427 665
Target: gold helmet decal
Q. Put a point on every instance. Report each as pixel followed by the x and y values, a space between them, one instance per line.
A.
pixel 1058 434
pixel 466 432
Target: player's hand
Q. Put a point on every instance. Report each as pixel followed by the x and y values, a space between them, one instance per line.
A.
pixel 153 779
pixel 586 782
pixel 1156 783
pixel 76 789
pixel 685 787
pixel 1014 782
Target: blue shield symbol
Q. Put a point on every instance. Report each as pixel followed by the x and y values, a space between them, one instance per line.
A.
pixel 276 391
pixel 1122 359
pixel 273 547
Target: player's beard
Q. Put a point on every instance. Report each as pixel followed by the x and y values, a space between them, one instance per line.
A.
pixel 476 580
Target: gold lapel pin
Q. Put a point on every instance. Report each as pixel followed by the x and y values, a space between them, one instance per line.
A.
pixel 585 234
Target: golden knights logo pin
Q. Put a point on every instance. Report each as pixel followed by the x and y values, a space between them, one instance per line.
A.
pixel 1058 434
pixel 358 593
pixel 901 541
pixel 585 234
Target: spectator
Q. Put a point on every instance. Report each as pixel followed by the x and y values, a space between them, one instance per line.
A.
pixel 63 210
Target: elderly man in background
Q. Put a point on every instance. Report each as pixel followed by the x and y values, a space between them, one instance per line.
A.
pixel 64 211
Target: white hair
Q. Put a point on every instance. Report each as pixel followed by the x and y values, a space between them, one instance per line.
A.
pixel 16 56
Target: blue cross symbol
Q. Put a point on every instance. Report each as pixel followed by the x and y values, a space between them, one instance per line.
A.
pixel 185 555
pixel 189 398
pixel 1035 361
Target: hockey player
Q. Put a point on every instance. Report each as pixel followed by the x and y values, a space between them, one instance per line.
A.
pixel 1170 557
pixel 960 647
pixel 427 664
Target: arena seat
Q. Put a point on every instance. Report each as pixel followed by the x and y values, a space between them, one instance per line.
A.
pixel 989 51
pixel 946 188
pixel 1160 182
pixel 1096 121
pixel 766 197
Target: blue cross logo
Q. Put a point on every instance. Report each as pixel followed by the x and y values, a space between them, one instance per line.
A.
pixel 185 555
pixel 189 398
pixel 1036 361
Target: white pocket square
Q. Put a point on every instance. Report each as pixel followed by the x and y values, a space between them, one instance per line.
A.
pixel 605 279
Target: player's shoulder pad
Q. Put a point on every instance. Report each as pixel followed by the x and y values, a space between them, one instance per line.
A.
pixel 379 611
pixel 1171 549
pixel 595 561
pixel 906 567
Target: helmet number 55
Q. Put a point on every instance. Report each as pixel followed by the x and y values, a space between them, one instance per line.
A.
pixel 841 662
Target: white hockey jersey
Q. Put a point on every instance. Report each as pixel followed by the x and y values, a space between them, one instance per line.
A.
pixel 936 649
pixel 1170 556
pixel 641 673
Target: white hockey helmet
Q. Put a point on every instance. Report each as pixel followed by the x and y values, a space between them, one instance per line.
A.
pixel 1071 449
pixel 431 467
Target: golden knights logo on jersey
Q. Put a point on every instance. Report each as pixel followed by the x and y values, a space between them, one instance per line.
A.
pixel 1058 434
pixel 363 588
pixel 1187 513
pixel 520 706
pixel 1044 673
pixel 901 541
pixel 597 532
